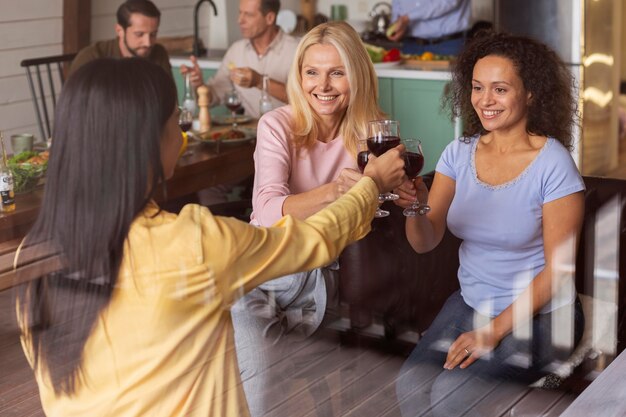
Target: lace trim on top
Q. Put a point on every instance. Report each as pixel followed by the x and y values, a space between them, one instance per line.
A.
pixel 508 183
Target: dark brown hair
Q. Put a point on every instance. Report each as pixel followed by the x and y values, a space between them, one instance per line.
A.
pixel 552 109
pixel 105 164
pixel 143 7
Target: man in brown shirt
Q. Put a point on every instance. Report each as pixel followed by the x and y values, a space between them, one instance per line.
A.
pixel 136 28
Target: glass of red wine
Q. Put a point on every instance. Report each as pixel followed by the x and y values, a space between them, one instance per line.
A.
pixel 233 102
pixel 413 164
pixel 362 156
pixel 383 135
pixel 185 119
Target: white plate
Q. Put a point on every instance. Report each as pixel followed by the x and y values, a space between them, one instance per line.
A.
pixel 207 137
pixel 228 120
pixel 287 20
pixel 381 65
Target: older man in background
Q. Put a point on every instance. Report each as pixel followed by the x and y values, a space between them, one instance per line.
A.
pixel 265 50
pixel 136 28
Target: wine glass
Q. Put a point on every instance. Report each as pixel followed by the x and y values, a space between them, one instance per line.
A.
pixel 413 164
pixel 361 160
pixel 383 135
pixel 233 102
pixel 185 119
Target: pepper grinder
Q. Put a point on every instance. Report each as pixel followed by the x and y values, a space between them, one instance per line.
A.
pixel 203 103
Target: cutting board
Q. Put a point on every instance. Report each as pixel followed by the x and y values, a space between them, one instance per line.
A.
pixel 427 65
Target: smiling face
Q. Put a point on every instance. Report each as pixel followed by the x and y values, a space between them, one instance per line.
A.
pixel 325 82
pixel 139 37
pixel 498 95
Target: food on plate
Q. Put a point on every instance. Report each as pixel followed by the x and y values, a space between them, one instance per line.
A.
pixel 228 134
pixel 428 56
pixel 376 53
pixel 392 55
pixel 27 168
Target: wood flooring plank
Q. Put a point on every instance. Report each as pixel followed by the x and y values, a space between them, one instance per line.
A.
pixel 305 380
pixel 369 384
pixel 560 406
pixel 537 402
pixel 325 389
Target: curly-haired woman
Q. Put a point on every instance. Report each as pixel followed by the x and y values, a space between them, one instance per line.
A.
pixel 511 191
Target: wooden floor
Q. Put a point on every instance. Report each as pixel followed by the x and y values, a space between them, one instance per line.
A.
pixel 356 378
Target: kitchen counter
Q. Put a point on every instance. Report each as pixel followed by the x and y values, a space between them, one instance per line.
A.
pixel 382 70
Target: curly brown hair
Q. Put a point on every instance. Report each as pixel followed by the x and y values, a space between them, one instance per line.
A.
pixel 553 108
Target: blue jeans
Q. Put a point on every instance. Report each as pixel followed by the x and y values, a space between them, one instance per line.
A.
pixel 423 387
pixel 451 47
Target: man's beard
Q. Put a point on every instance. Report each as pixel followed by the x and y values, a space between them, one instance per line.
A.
pixel 133 52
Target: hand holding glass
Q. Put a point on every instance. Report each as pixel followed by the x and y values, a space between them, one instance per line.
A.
pixel 383 135
pixel 413 164
pixel 362 157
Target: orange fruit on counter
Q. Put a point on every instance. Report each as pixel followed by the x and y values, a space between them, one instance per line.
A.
pixel 428 56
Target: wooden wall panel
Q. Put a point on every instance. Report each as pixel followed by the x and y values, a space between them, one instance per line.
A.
pixel 13 10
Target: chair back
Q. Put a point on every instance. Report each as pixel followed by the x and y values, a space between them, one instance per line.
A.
pixel 44 84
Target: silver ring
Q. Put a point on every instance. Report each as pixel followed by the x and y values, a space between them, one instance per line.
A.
pixel 467 351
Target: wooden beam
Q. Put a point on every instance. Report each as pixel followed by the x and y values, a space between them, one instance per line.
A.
pixel 76 25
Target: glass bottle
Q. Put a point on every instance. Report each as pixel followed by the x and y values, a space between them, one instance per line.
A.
pixel 265 103
pixel 7 194
pixel 189 102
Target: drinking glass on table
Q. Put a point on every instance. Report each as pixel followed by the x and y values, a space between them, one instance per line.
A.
pixel 233 102
pixel 185 119
pixel 383 135
pixel 413 164
pixel 361 160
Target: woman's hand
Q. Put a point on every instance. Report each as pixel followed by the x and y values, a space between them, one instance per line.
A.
pixel 470 346
pixel 409 190
pixel 195 73
pixel 346 179
pixel 387 170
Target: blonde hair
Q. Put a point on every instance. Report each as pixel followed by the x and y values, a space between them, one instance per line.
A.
pixel 363 105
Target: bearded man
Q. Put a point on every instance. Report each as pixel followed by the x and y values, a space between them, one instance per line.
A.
pixel 136 28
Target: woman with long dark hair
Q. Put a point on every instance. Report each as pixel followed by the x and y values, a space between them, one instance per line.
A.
pixel 136 321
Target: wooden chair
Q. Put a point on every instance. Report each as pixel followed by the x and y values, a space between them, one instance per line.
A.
pixel 44 93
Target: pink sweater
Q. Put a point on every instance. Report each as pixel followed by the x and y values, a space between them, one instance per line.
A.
pixel 279 173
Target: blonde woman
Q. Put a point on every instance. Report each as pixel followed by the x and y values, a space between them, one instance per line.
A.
pixel 304 160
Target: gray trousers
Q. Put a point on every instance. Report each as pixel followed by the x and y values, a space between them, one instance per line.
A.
pixel 272 325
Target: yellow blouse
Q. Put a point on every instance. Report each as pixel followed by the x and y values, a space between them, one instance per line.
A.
pixel 164 345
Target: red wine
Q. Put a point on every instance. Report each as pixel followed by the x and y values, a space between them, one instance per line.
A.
pixel 361 159
pixel 381 144
pixel 185 126
pixel 233 107
pixel 413 164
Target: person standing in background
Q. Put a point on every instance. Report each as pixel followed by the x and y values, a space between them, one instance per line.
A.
pixel 437 26
pixel 136 28
pixel 265 49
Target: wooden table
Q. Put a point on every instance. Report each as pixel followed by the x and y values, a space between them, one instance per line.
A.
pixel 205 167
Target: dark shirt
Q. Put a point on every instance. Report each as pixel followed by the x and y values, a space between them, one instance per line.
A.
pixel 111 49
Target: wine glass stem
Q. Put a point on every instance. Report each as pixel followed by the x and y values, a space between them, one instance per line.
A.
pixel 234 119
